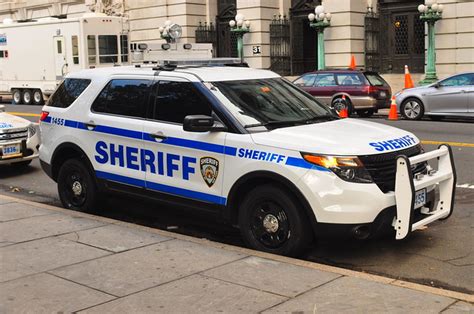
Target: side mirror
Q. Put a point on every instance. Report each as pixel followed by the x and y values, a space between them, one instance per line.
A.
pixel 436 85
pixel 202 123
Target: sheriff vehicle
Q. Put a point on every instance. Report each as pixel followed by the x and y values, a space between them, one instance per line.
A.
pixel 244 142
pixel 19 140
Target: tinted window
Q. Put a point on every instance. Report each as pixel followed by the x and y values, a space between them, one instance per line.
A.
pixel 306 80
pixel 67 92
pixel 459 80
pixel 347 79
pixel 176 100
pixel 325 80
pixel 123 97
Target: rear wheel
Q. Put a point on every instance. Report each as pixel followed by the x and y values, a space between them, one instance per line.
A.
pixel 271 220
pixel 338 104
pixel 412 109
pixel 16 97
pixel 38 97
pixel 76 186
pixel 27 97
pixel 365 113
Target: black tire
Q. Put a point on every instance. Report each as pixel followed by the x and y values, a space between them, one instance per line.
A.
pixel 77 187
pixel 276 208
pixel 21 164
pixel 365 113
pixel 337 102
pixel 27 97
pixel 17 97
pixel 412 109
pixel 38 97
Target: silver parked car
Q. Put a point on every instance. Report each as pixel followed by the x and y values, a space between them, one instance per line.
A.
pixel 452 96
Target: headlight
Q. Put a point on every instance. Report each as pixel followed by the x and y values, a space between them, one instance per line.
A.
pixel 347 168
pixel 31 131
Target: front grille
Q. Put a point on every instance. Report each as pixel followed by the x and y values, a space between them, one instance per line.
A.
pixel 382 167
pixel 14 135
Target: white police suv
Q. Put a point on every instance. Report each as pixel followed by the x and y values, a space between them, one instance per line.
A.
pixel 243 142
pixel 19 140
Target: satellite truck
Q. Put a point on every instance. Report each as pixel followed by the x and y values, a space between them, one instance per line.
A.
pixel 35 55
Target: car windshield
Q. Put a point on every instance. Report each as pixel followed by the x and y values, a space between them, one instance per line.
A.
pixel 375 79
pixel 272 103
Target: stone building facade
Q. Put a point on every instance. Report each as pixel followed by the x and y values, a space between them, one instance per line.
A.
pixel 280 37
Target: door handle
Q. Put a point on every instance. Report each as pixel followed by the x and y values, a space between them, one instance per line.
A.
pixel 90 125
pixel 158 135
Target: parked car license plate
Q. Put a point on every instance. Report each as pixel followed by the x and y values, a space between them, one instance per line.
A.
pixel 10 151
pixel 420 198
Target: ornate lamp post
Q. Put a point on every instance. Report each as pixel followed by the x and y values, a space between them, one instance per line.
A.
pixel 320 20
pixel 240 27
pixel 430 13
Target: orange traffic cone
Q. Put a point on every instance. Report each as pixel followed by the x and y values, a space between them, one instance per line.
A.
pixel 392 115
pixel 352 65
pixel 408 80
pixel 343 112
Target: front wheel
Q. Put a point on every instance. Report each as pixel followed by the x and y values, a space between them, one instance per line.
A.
pixel 272 220
pixel 412 109
pixel 76 186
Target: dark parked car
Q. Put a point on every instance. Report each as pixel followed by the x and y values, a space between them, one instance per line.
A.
pixel 365 91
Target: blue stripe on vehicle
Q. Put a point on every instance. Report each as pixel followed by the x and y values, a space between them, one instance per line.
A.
pixel 210 198
pixel 215 148
pixel 301 163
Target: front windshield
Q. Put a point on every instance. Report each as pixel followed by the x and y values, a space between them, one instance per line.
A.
pixel 272 103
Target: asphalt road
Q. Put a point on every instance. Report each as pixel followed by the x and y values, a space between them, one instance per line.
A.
pixel 441 255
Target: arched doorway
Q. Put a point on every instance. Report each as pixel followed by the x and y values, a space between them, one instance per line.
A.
pixel 303 37
pixel 226 40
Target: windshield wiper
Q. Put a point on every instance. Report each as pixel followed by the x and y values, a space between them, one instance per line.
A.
pixel 319 118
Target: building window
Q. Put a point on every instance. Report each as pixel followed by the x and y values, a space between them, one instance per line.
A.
pixel 124 47
pixel 91 49
pixel 108 49
pixel 75 50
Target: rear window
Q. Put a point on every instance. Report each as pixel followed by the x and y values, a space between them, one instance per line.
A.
pixel 349 79
pixel 67 92
pixel 375 79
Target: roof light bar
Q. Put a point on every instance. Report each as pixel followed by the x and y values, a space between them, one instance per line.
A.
pixel 201 62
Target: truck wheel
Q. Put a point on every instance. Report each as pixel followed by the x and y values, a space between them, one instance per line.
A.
pixel 16 97
pixel 271 220
pixel 27 97
pixel 38 97
pixel 76 186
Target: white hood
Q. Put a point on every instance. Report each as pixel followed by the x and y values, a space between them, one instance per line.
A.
pixel 10 122
pixel 339 137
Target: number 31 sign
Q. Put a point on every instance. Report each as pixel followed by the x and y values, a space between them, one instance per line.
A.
pixel 257 50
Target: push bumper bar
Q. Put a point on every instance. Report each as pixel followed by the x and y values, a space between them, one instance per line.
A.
pixel 406 187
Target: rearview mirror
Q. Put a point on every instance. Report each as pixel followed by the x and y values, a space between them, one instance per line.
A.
pixel 202 123
pixel 436 85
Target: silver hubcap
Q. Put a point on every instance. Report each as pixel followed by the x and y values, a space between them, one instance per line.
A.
pixel 270 223
pixel 27 97
pixel 37 96
pixel 412 109
pixel 17 96
pixel 77 188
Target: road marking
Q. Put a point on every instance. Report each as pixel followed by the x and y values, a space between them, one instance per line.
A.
pixel 465 186
pixel 460 144
pixel 25 114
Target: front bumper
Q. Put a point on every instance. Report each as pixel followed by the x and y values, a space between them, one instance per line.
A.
pixel 348 205
pixel 29 150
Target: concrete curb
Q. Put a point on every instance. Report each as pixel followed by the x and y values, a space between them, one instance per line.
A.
pixel 337 270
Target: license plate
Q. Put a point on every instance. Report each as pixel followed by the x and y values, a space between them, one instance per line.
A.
pixel 9 151
pixel 420 198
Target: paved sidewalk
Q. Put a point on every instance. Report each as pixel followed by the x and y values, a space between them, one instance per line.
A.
pixel 55 260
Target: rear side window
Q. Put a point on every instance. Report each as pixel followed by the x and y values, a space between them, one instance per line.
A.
pixel 68 92
pixel 375 79
pixel 176 100
pixel 349 79
pixel 123 97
